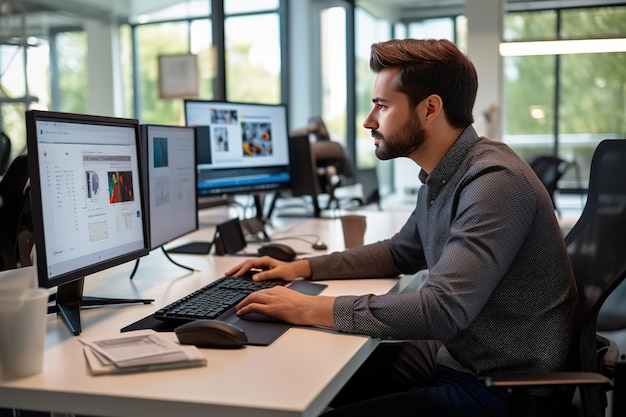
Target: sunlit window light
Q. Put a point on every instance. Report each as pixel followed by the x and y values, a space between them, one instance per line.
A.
pixel 537 113
pixel 563 47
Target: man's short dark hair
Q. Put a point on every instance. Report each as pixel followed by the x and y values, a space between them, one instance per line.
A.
pixel 430 66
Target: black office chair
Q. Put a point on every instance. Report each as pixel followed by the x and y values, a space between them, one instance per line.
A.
pixel 318 128
pixel 12 203
pixel 333 167
pixel 5 152
pixel 550 169
pixel 597 249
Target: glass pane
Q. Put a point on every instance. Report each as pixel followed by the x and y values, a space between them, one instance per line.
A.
pixel 462 40
pixel 253 58
pixel 12 70
pixel 399 29
pixel 441 28
pixel 202 46
pixel 369 30
pixel 592 105
pixel 72 64
pixel 14 126
pixel 246 6
pixel 126 58
pixel 154 40
pixel 527 26
pixel 596 22
pixel 333 71
pixel 528 89
pixel 12 80
pixel 38 73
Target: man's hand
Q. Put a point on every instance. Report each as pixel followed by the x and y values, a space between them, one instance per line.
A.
pixel 289 306
pixel 272 268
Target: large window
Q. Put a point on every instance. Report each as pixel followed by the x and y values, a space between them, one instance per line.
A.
pixel 333 72
pixel 253 63
pixel 71 62
pixel 565 104
pixel 369 30
pixel 251 68
pixel 154 40
pixel 202 46
pixel 24 83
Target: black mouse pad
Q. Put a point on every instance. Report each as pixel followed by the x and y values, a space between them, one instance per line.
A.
pixel 259 333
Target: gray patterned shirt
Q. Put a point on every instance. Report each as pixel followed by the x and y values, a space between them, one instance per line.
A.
pixel 500 292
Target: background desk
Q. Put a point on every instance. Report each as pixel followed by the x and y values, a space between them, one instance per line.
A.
pixel 297 375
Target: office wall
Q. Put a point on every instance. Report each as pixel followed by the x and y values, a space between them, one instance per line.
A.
pixel 485 21
pixel 103 69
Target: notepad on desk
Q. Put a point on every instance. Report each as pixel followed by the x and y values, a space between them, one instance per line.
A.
pixel 138 351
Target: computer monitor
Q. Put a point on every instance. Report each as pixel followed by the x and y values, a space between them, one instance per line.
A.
pixel 242 147
pixel 87 202
pixel 169 159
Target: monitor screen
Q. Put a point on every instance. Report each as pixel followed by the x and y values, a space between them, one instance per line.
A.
pixel 169 157
pixel 242 147
pixel 87 199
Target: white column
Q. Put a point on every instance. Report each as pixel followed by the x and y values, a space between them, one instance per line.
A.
pixel 301 62
pixel 485 21
pixel 104 69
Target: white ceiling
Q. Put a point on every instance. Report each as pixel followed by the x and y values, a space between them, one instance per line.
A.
pixel 37 17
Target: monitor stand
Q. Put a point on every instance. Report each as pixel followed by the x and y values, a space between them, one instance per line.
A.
pixel 69 300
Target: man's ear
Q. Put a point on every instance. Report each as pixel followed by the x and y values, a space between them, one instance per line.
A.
pixel 434 106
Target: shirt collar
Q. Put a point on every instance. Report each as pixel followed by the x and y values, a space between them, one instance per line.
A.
pixel 450 162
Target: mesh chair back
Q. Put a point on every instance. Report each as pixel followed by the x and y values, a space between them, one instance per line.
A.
pixel 597 249
pixel 5 152
pixel 12 201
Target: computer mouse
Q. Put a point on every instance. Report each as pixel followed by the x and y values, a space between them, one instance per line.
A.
pixel 278 251
pixel 319 245
pixel 211 333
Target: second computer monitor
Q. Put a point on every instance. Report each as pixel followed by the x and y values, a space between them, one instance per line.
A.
pixel 169 159
pixel 242 147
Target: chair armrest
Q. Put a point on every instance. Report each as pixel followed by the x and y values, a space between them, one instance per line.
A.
pixel 543 379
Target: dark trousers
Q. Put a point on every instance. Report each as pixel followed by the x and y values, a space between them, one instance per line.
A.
pixel 401 379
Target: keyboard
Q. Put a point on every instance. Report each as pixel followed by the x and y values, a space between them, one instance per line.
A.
pixel 214 299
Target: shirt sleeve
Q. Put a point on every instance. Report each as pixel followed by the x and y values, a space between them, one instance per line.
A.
pixel 493 215
pixel 368 261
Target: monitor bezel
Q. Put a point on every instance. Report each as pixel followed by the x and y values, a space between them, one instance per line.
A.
pixel 32 116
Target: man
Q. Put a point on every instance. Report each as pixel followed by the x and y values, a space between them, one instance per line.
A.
pixel 500 295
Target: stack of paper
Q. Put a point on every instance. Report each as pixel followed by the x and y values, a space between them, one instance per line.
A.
pixel 138 351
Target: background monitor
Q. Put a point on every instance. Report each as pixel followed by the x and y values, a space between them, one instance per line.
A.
pixel 169 159
pixel 242 147
pixel 87 202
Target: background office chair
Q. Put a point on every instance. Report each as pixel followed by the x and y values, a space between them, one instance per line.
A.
pixel 550 169
pixel 320 167
pixel 318 128
pixel 5 152
pixel 597 249
pixel 12 201
pixel 334 168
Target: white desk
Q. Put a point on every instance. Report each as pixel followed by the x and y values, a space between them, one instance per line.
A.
pixel 297 375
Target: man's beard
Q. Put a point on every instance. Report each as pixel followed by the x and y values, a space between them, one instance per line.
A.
pixel 406 140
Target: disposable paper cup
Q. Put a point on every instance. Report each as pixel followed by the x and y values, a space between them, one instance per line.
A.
pixel 353 226
pixel 22 334
pixel 14 282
